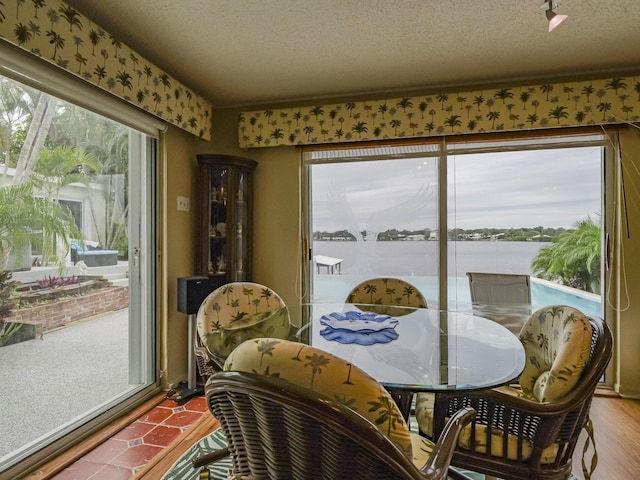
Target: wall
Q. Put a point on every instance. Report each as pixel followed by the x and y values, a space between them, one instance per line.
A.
pixel 275 212
pixel 276 245
pixel 178 172
pixel 275 229
pixel 627 359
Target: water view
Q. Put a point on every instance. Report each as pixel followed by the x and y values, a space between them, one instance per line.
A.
pixel 420 258
pixel 417 262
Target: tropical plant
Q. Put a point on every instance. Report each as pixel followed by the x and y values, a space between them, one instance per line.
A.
pixel 106 144
pixel 6 288
pixel 52 282
pixel 41 118
pixel 15 109
pixel 21 213
pixel 573 258
pixel 62 166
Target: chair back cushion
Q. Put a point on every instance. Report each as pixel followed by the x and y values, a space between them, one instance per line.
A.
pixel 386 292
pixel 238 311
pixel 327 375
pixel 557 343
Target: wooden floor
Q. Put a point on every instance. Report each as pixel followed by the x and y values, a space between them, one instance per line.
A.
pixel 616 424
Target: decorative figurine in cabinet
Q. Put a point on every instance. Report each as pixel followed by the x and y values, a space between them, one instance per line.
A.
pixel 226 197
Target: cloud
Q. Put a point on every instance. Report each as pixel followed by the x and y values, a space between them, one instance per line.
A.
pixel 551 188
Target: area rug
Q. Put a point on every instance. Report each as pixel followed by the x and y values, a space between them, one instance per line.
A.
pixel 182 469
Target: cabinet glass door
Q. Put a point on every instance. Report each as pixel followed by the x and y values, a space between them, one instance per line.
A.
pixel 241 217
pixel 218 189
pixel 224 247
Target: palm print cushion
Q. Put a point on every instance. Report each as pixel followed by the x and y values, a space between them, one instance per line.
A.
pixel 327 375
pixel 239 311
pixel 384 292
pixel 557 344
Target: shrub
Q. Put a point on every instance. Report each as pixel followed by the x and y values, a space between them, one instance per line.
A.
pixel 52 282
pixel 6 304
pixel 6 289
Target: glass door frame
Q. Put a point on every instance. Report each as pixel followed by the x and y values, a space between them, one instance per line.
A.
pixel 143 230
pixel 481 143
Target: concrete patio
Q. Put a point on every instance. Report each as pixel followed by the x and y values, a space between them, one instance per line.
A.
pixel 50 382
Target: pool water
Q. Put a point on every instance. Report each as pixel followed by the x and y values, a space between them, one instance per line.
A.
pixel 335 288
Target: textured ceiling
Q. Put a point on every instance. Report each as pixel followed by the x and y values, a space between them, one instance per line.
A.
pixel 259 52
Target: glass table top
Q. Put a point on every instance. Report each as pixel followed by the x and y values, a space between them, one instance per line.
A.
pixel 414 349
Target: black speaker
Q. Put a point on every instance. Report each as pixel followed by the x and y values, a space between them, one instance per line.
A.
pixel 192 291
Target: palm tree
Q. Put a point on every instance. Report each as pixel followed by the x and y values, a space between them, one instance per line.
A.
pixel 573 258
pixel 41 119
pixel 62 166
pixel 15 108
pixel 21 213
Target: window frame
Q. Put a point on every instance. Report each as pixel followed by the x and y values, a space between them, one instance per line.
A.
pixel 476 143
pixel 27 69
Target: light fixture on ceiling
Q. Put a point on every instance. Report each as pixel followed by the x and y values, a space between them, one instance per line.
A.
pixel 555 20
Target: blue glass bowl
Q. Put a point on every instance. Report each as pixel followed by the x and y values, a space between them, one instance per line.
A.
pixel 362 328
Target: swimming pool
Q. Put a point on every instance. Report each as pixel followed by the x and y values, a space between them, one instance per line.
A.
pixel 335 288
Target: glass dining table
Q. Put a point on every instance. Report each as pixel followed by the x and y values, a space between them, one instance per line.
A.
pixel 411 350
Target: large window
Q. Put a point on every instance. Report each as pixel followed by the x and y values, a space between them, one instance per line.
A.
pixel 431 213
pixel 76 222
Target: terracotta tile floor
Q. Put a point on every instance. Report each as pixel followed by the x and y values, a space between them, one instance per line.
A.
pixel 123 455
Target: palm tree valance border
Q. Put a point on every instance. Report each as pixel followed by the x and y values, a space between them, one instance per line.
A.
pixel 59 34
pixel 547 105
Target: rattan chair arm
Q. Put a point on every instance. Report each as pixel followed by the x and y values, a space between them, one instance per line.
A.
pixel 440 458
pixel 532 407
pixel 203 460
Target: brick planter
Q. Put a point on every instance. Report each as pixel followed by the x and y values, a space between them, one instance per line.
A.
pixel 58 313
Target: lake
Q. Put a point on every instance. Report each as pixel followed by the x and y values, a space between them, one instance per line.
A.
pixel 420 258
pixel 417 263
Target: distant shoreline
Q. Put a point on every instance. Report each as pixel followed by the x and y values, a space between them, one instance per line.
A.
pixel 536 234
pixel 435 240
pixel 420 258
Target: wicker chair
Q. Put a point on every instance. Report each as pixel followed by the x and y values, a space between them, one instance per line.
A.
pixel 232 314
pixel 284 420
pixel 375 294
pixel 531 432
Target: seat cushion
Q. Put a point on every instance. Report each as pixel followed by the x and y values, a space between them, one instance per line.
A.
pixel 421 448
pixel 327 375
pixel 557 343
pixel 424 412
pixel 497 444
pixel 237 312
pixel 424 418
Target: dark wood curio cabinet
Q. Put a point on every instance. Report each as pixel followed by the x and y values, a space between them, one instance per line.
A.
pixel 226 201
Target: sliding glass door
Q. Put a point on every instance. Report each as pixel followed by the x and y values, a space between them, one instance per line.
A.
pixel 534 211
pixel 363 211
pixel 432 213
pixel 77 224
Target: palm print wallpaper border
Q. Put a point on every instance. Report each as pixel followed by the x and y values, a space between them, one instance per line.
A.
pixel 566 104
pixel 59 34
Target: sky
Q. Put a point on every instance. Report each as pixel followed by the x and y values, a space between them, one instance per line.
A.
pixel 550 188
